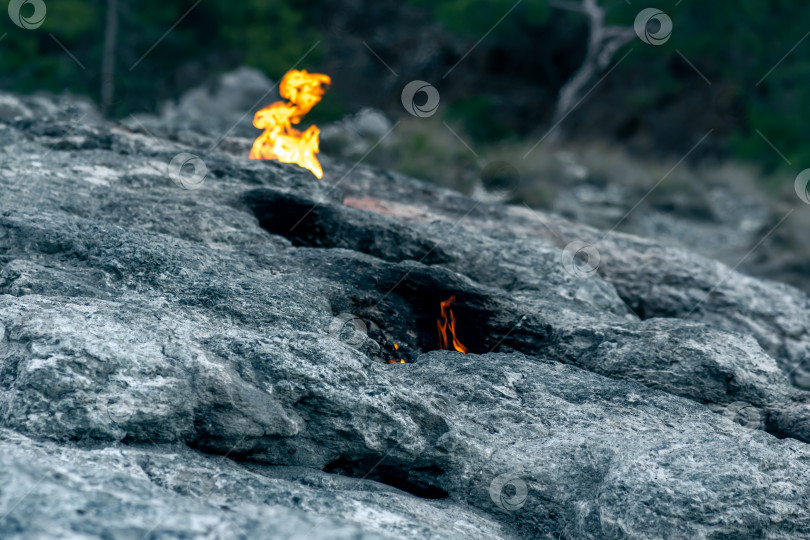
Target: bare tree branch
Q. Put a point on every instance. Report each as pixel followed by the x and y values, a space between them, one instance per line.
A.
pixel 603 44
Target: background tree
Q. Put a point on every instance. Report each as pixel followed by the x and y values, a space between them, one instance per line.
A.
pixel 108 57
pixel 603 44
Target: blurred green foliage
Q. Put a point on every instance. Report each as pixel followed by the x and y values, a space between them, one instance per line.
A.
pixel 272 35
pixel 268 34
pixel 753 52
pixel 474 18
pixel 480 118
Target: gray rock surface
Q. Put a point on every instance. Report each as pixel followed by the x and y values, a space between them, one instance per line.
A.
pixel 177 363
pixel 356 134
pixel 721 210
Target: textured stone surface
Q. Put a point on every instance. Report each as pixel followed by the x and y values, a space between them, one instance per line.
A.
pixel 174 362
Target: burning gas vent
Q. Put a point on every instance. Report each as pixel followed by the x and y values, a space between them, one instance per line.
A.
pixel 402 301
pixel 280 140
pixel 447 328
pixel 401 345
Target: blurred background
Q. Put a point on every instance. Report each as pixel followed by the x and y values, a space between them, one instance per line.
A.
pixel 694 140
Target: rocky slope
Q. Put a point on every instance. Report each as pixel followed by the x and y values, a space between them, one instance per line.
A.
pixel 202 351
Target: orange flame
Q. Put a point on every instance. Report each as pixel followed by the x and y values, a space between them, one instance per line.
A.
pixel 281 141
pixel 447 328
pixel 401 360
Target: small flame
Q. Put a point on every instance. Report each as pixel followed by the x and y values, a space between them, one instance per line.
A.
pixel 447 328
pixel 401 360
pixel 281 141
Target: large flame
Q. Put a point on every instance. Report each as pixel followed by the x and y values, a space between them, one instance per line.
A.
pixel 447 328
pixel 281 141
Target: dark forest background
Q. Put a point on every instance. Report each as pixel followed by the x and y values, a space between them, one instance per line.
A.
pixel 654 102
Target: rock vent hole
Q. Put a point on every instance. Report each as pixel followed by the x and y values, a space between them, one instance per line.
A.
pixel 394 306
pixel 409 320
pixel 307 223
pixel 418 481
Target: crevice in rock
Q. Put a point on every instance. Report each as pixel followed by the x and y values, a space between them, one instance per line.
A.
pixel 409 320
pixel 641 306
pixel 398 304
pixel 409 313
pixel 638 307
pixel 418 481
pixel 322 225
pixel 212 446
